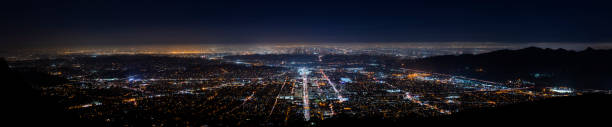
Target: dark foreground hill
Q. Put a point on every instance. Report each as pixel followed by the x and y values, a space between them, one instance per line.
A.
pixel 584 109
pixel 588 107
pixel 547 67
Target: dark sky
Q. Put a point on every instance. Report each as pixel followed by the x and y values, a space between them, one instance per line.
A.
pixel 100 22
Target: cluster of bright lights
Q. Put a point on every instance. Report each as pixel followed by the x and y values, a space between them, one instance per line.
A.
pixel 561 90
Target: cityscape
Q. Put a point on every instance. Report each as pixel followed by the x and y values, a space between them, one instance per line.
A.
pixel 303 85
pixel 305 63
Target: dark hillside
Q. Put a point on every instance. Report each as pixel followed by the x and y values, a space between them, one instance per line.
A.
pixel 583 69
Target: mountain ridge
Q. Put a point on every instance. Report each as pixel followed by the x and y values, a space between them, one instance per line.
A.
pixel 589 68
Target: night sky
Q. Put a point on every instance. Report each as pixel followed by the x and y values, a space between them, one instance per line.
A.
pixel 103 22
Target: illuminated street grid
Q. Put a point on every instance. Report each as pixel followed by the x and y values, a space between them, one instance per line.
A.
pixel 120 89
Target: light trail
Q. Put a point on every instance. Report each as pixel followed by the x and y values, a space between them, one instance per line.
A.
pixel 332 84
pixel 340 98
pixel 245 101
pixel 277 96
pixel 305 98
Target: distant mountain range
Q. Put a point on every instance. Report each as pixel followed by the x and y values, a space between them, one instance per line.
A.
pixel 590 68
